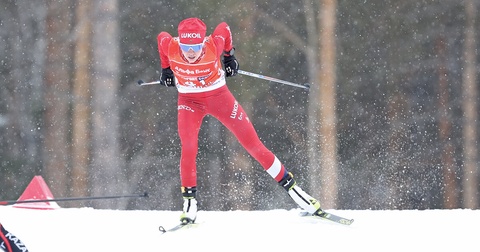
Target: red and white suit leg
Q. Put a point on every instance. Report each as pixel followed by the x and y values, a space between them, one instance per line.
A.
pixel 227 110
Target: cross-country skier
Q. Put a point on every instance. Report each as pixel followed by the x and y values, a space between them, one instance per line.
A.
pixel 192 63
pixel 9 242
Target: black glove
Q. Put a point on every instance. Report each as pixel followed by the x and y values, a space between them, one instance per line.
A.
pixel 231 64
pixel 167 77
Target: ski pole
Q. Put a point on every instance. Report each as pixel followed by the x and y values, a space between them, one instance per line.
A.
pixel 143 83
pixel 305 86
pixel 12 202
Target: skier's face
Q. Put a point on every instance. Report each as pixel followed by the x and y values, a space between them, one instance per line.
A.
pixel 191 52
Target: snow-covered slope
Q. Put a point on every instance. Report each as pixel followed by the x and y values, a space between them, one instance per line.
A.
pixel 88 229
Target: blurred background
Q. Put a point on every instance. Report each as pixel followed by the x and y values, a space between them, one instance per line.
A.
pixel 390 121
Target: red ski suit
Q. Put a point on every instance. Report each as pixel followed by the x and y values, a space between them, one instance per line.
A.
pixel 202 90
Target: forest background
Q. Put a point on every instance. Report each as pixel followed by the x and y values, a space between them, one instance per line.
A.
pixel 390 121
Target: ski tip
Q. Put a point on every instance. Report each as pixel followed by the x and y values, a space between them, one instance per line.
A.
pixel 140 82
pixel 162 229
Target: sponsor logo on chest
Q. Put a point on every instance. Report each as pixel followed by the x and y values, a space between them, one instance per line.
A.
pixel 201 71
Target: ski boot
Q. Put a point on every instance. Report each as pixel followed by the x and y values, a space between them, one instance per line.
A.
pixel 189 205
pixel 305 201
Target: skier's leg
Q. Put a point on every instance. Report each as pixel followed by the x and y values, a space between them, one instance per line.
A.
pixel 190 116
pixel 232 115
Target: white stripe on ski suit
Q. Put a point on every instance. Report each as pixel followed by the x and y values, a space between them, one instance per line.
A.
pixel 275 169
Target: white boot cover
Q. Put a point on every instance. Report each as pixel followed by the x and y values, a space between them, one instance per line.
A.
pixel 305 201
pixel 189 210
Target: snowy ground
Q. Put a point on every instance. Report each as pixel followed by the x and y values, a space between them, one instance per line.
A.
pixel 87 229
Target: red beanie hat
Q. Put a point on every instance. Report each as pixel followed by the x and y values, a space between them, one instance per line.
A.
pixel 192 31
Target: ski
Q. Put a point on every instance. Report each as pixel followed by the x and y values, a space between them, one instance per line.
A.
pixel 329 216
pixel 334 218
pixel 177 227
